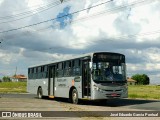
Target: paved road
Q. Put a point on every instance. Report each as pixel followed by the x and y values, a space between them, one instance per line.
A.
pixel 125 103
pixel 14 95
pixel 28 102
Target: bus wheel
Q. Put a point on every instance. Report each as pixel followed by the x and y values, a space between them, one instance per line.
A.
pixel 39 93
pixel 74 96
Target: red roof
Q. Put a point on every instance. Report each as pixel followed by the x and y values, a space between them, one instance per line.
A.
pixel 131 80
pixel 19 77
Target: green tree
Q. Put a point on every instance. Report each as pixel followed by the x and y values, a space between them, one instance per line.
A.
pixel 142 79
pixel 6 79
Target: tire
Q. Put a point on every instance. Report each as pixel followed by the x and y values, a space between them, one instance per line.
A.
pixel 74 96
pixel 40 93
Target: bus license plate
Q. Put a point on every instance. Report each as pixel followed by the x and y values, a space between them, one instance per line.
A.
pixel 114 94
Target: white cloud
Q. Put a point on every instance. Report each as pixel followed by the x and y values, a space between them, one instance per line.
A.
pixel 6 58
pixel 153 55
pixel 105 32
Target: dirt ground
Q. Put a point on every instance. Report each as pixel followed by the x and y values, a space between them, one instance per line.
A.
pixel 85 110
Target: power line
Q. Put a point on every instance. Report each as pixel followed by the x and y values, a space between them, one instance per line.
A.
pixel 21 13
pixel 57 17
pixel 103 12
pixel 110 10
pixel 33 6
pixel 31 12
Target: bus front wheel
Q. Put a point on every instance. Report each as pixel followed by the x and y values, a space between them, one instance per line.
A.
pixel 74 96
pixel 40 93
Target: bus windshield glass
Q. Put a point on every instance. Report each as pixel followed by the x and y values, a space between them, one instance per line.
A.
pixel 108 68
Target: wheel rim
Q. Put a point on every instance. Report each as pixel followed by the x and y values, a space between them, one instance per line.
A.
pixel 39 93
pixel 74 97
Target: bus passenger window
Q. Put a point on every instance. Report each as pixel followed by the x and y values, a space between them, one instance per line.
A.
pixel 60 70
pixel 76 67
pixel 67 68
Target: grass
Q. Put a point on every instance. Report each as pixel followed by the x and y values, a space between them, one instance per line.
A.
pixel 144 91
pixel 13 87
pixel 134 91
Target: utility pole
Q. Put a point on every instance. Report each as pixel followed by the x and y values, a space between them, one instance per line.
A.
pixel 16 71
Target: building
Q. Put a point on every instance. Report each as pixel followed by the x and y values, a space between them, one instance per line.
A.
pixel 19 78
pixel 130 81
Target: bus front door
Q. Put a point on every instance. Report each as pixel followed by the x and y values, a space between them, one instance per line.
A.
pixel 86 80
pixel 51 81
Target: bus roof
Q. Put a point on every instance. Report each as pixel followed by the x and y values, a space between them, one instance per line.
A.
pixel 75 57
pixel 56 61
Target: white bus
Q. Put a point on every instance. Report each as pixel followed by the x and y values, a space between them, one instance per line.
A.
pixel 92 76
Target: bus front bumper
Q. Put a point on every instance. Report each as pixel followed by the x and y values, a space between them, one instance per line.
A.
pixel 109 94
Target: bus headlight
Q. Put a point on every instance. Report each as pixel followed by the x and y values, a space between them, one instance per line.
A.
pixel 97 88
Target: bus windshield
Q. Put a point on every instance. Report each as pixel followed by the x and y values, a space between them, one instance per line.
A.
pixel 108 71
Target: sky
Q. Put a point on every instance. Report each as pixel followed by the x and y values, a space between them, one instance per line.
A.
pixel 39 31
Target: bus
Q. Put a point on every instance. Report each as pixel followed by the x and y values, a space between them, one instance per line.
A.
pixel 92 76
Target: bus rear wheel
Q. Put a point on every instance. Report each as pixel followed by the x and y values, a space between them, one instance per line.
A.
pixel 40 93
pixel 74 96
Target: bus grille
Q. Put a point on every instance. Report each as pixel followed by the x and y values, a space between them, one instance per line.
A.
pixel 113 90
pixel 118 90
pixel 109 90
